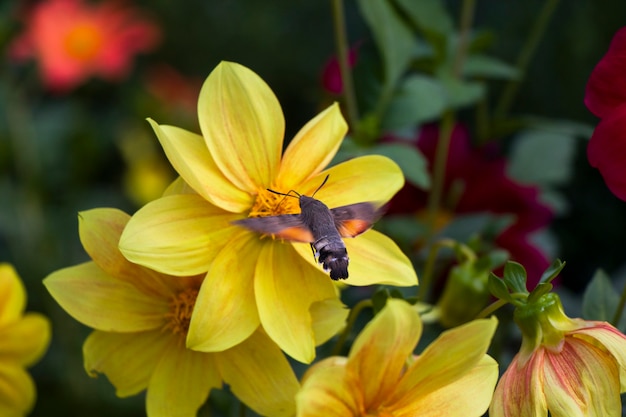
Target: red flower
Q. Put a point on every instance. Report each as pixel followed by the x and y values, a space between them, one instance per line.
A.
pixel 476 182
pixel 331 75
pixel 605 97
pixel 74 40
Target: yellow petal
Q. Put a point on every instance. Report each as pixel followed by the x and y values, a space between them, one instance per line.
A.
pixel 312 148
pixel 612 339
pixel 520 389
pixel 243 125
pixel 100 230
pixel 127 359
pixel 177 235
pixel 285 288
pixel 178 186
pixel 581 380
pixel 259 375
pixel 189 155
pixel 225 312
pixel 17 391
pixel 25 341
pixel 468 396
pixel 454 353
pixel 373 178
pixel 12 295
pixel 103 302
pixel 329 317
pixel 330 390
pixel 181 382
pixel 374 259
pixel 379 353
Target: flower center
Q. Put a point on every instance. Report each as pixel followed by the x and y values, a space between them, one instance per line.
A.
pixel 83 41
pixel 181 308
pixel 268 203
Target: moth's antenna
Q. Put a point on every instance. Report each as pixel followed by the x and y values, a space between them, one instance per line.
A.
pixel 286 195
pixel 321 185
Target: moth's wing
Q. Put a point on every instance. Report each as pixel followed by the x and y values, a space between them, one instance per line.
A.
pixel 286 226
pixel 354 219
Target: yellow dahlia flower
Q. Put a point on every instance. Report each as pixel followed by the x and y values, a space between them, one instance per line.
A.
pixel 141 320
pixel 567 367
pixel 276 284
pixel 24 338
pixel 452 377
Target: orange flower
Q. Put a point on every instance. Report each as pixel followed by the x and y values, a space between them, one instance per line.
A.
pixel 73 40
pixel 569 367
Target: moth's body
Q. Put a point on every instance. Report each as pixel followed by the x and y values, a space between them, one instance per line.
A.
pixel 329 248
pixel 320 226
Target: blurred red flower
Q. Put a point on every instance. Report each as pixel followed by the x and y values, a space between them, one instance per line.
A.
pixel 476 182
pixel 73 40
pixel 605 97
pixel 331 74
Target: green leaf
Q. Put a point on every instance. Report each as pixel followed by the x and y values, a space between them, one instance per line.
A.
pixel 559 126
pixel 394 39
pixel 428 15
pixel 419 99
pixel 410 160
pixel 515 277
pixel 484 66
pixel 462 93
pixel 552 271
pixel 600 299
pixel 541 157
pixel 379 299
pixel 497 288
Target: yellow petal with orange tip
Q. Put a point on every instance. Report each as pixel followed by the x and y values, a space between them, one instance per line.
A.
pixel 468 396
pixel 380 352
pixel 329 389
pixel 454 353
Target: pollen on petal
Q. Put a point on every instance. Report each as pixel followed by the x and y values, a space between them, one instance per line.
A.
pixel 180 313
pixel 270 203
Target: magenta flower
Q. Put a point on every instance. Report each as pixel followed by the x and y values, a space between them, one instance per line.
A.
pixel 476 182
pixel 605 97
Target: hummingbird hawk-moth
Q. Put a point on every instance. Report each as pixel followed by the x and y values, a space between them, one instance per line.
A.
pixel 320 226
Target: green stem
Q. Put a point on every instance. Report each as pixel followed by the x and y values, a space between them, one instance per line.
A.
pixel 465 26
pixel 427 276
pixel 487 311
pixel 538 30
pixel 354 313
pixel 620 308
pixel 439 171
pixel 341 39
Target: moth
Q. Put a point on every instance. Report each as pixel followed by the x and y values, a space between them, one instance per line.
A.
pixel 320 226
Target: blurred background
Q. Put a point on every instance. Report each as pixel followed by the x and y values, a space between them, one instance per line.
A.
pixel 86 145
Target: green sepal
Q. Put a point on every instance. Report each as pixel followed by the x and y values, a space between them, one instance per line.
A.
pixel 498 288
pixel 515 277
